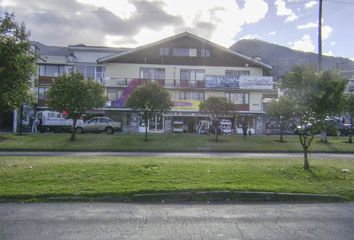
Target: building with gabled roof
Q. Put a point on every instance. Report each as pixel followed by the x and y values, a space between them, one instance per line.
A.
pixel 189 67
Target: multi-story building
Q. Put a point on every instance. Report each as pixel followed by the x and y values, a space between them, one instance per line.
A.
pixel 55 61
pixel 189 67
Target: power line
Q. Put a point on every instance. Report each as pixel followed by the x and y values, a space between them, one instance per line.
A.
pixel 340 2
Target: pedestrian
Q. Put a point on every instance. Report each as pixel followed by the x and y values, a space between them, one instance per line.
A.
pixel 35 125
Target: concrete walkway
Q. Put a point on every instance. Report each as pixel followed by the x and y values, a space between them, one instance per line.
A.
pixel 335 156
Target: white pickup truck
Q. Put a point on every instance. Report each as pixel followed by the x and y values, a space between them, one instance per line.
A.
pixel 53 121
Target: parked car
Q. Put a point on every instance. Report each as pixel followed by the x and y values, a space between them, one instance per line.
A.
pixel 53 121
pixel 99 124
pixel 177 127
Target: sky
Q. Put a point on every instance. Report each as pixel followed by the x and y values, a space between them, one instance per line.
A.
pixel 132 23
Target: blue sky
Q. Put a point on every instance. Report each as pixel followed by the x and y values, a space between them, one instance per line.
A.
pixel 132 23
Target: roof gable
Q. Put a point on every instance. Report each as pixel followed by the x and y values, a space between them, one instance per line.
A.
pixel 220 56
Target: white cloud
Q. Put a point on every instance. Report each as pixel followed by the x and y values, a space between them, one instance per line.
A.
pixel 250 36
pixel 310 4
pixel 332 43
pixel 304 44
pixel 291 17
pixel 124 9
pixel 224 18
pixel 282 10
pixel 328 53
pixel 272 33
pixel 307 26
pixel 326 32
pixel 226 15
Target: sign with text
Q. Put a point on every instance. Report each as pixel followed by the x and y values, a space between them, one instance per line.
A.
pixel 190 105
pixel 255 82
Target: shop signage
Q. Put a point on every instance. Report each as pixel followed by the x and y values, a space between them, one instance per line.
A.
pixel 190 105
pixel 255 82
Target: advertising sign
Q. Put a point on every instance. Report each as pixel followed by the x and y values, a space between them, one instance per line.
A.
pixel 255 82
pixel 221 82
pixel 190 105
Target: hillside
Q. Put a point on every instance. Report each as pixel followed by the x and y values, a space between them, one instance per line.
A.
pixel 282 58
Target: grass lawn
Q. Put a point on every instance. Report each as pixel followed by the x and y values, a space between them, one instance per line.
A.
pixel 37 178
pixel 167 142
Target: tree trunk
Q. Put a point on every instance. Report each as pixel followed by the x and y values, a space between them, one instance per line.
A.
pixel 324 136
pixel 281 133
pixel 351 131
pixel 146 127
pixel 216 135
pixel 306 160
pixel 73 132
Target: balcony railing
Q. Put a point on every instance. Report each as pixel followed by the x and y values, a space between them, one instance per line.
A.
pixel 257 82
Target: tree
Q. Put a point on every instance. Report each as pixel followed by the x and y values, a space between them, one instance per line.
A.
pixel 349 108
pixel 217 107
pixel 74 95
pixel 328 98
pixel 149 98
pixel 283 110
pixel 308 90
pixel 17 65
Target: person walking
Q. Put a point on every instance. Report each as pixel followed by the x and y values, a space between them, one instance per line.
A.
pixel 35 125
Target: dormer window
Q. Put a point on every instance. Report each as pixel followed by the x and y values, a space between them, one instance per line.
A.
pixel 185 52
pixel 164 51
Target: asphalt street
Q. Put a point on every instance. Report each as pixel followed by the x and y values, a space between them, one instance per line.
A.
pixel 181 154
pixel 176 221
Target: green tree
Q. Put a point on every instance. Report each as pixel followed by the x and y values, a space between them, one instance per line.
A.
pixel 17 64
pixel 217 107
pixel 73 94
pixel 149 98
pixel 308 90
pixel 283 110
pixel 328 98
pixel 349 108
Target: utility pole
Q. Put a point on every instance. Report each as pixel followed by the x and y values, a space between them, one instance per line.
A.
pixel 320 36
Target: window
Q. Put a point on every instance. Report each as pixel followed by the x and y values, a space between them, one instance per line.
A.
pixel 113 94
pixel 164 51
pixel 187 95
pixel 99 74
pixel 185 52
pixel 237 98
pixel 152 73
pixel 192 76
pixel 91 72
pixel 205 52
pixel 103 120
pixel 237 73
pixel 42 93
pixel 93 121
pixel 51 70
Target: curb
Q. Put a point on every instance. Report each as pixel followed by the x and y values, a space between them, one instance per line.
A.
pixel 190 197
pixel 228 196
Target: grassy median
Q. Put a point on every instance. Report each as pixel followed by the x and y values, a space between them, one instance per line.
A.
pixel 167 142
pixel 40 178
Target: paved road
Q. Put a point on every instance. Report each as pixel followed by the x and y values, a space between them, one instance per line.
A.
pixel 183 154
pixel 182 221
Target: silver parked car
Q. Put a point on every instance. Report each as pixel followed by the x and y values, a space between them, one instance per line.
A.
pixel 99 124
